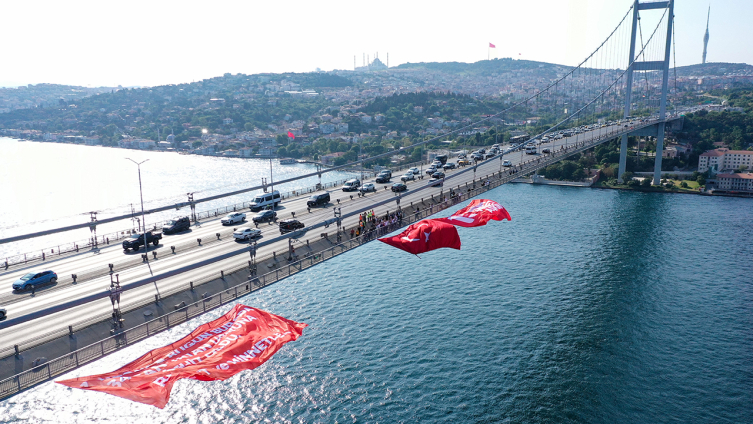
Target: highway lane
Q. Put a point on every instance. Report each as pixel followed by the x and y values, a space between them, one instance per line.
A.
pixel 87 263
pixel 167 261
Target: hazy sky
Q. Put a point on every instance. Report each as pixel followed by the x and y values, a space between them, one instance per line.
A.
pixel 158 42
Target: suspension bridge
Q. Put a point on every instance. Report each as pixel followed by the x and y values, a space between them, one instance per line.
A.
pixel 621 89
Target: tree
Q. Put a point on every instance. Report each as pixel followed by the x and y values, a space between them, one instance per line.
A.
pixel 627 176
pixel 196 144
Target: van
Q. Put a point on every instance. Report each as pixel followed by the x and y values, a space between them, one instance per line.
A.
pixel 263 200
pixel 352 185
pixel 531 150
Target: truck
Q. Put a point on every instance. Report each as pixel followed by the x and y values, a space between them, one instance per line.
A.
pixel 135 241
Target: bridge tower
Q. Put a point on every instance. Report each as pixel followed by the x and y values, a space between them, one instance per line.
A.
pixel 657 130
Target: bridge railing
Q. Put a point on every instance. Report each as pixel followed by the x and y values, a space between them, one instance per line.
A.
pixel 114 236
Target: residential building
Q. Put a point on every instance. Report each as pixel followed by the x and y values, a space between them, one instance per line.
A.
pixel 719 160
pixel 735 182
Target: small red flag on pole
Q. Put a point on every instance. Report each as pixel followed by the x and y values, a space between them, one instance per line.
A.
pixel 291 135
pixel 492 46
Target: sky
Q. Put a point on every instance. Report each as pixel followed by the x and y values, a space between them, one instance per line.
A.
pixel 148 43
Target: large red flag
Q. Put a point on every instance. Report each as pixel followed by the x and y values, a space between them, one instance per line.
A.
pixel 242 339
pixel 424 236
pixel 478 213
pixel 291 135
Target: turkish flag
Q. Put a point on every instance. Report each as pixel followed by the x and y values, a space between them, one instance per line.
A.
pixel 291 135
pixel 424 236
pixel 242 339
pixel 492 46
pixel 478 213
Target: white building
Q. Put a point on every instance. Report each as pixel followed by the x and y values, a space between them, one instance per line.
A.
pixel 735 182
pixel 724 159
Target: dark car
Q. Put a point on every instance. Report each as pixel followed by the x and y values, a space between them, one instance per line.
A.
pixel 176 225
pixel 290 225
pixel 398 187
pixel 438 175
pixel 35 279
pixel 436 182
pixel 265 216
pixel 383 177
pixel 135 241
pixel 318 199
pixel 449 165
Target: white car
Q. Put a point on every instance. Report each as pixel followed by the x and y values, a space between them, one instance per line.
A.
pixel 432 169
pixel 414 170
pixel 233 218
pixel 407 176
pixel 246 233
pixel 506 163
pixel 367 187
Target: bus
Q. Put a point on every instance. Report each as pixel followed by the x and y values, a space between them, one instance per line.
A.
pixel 519 139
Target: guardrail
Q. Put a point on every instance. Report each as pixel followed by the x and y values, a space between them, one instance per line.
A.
pixel 410 214
pixel 105 239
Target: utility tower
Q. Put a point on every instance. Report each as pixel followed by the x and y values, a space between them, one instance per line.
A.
pixel 659 65
pixel 706 36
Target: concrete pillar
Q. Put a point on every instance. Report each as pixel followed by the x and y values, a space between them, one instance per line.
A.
pixel 623 158
pixel 659 151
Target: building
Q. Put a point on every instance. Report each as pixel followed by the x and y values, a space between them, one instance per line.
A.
pixel 719 160
pixel 735 182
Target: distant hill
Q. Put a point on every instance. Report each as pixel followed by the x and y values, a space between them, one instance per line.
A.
pixel 489 67
pixel 485 67
pixel 715 69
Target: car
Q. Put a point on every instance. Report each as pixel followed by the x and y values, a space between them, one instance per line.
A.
pixel 135 241
pixel 233 218
pixel 265 216
pixel 545 150
pixel 438 174
pixel 436 182
pixel 318 199
pixel 489 154
pixel 35 279
pixel 367 187
pixel 383 178
pixel 176 225
pixel 3 313
pixel 246 233
pixel 464 162
pixel 351 185
pixel 407 176
pixel 449 165
pixel 506 163
pixel 415 170
pixel 432 169
pixel 385 172
pixel 289 225
pixel 398 187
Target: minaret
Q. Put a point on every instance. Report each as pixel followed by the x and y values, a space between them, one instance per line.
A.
pixel 706 36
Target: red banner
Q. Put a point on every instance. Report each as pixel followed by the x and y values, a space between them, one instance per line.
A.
pixel 477 213
pixel 291 135
pixel 424 236
pixel 242 339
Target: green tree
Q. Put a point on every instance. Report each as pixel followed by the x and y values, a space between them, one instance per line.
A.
pixel 196 144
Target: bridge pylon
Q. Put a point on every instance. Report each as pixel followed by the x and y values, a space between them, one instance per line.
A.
pixel 649 66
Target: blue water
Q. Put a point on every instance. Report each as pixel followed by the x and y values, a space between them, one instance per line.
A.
pixel 590 306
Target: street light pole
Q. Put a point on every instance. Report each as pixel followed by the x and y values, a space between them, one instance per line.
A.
pixel 143 219
pixel 272 181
